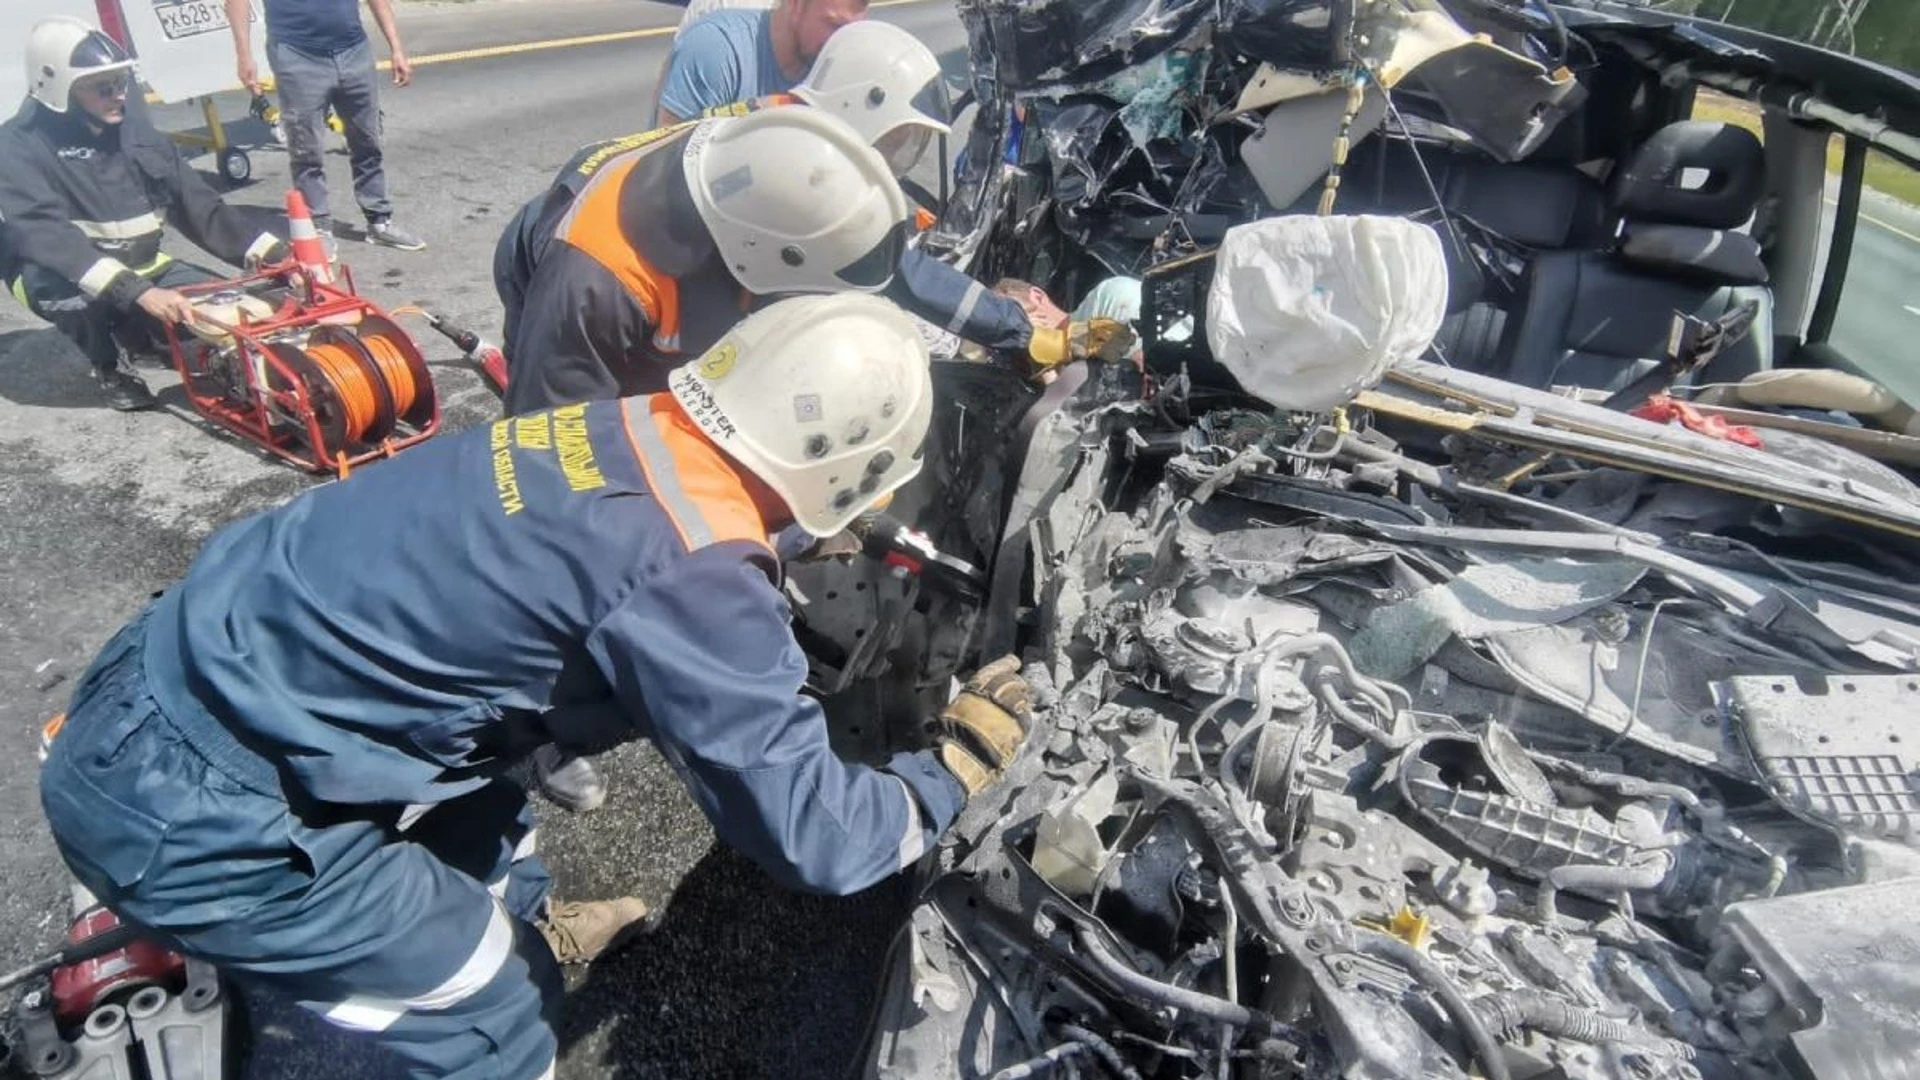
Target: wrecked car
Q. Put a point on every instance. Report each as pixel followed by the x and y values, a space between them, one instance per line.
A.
pixel 1463 722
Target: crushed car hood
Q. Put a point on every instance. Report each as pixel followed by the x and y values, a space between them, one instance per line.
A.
pixel 1463 729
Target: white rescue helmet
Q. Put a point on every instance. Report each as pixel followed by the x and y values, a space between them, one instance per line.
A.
pixel 796 201
pixel 826 399
pixel 884 82
pixel 61 51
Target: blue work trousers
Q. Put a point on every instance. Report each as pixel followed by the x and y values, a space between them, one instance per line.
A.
pixel 413 924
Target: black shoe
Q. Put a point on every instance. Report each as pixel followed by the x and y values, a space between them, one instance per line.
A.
pixel 125 391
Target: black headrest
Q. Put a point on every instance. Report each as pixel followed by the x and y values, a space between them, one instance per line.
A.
pixel 1694 172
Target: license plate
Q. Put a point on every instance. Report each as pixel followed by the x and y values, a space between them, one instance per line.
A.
pixel 190 18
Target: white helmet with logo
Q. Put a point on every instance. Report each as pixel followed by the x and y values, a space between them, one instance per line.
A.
pixel 61 51
pixel 825 398
pixel 884 82
pixel 796 201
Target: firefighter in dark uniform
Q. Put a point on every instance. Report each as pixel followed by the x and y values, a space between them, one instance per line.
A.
pixel 646 250
pixel 86 188
pixel 291 763
pixel 627 215
pixel 663 218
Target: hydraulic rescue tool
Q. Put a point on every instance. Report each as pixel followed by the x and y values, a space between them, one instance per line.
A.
pixel 482 353
pixel 111 1004
pixel 116 1005
pixel 894 543
pixel 304 368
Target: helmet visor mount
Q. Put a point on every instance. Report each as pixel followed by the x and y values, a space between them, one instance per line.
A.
pixel 875 268
pixel 97 50
pixel 932 102
pixel 903 147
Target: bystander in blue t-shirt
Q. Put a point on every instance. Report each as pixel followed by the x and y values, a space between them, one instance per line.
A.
pixel 720 59
pixel 315 27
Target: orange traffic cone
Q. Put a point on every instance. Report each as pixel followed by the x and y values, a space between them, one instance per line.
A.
pixel 308 249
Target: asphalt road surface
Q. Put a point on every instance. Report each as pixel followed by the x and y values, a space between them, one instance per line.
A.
pixel 1879 315
pixel 99 509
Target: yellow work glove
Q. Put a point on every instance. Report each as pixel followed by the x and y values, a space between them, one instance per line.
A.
pixel 984 725
pixel 1105 339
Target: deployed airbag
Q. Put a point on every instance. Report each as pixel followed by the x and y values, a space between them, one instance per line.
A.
pixel 1307 312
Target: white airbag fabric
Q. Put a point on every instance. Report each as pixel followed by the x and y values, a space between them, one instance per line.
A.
pixel 1308 311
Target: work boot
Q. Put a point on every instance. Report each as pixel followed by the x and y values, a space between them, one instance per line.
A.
pixel 579 932
pixel 387 234
pixel 125 391
pixel 570 781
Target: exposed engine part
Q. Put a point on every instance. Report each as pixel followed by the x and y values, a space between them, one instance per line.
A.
pixel 1536 1011
pixel 1360 862
pixel 42 1051
pixel 1241 847
pixel 82 986
pixel 1448 779
pixel 1835 750
pixel 1823 979
pixel 118 1006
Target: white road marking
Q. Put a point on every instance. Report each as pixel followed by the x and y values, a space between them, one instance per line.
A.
pixel 1871 220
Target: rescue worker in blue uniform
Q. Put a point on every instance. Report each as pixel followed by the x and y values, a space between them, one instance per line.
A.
pixel 888 85
pixel 290 764
pixel 87 187
pixel 888 89
pixel 646 247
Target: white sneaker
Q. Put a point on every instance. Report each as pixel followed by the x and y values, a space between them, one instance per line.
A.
pixel 323 227
pixel 387 234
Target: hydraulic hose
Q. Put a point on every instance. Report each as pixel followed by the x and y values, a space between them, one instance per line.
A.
pixel 1044 1064
pixel 1103 1050
pixel 1179 997
pixel 1535 1011
pixel 1381 694
pixel 1597 879
pixel 1331 698
pixel 1473 1028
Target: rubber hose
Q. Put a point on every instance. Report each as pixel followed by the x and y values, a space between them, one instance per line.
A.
pixel 1600 879
pixel 1179 997
pixel 1271 650
pixel 1044 1063
pixel 1331 698
pixel 1536 1011
pixel 1473 1028
pixel 1103 1050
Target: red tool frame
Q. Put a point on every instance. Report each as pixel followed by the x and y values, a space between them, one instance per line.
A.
pixel 273 396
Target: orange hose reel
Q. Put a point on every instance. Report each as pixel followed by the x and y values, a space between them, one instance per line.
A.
pixel 360 382
pixel 327 381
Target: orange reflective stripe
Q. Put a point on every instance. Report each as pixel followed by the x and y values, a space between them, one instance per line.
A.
pixel 701 491
pixel 591 226
pixel 923 219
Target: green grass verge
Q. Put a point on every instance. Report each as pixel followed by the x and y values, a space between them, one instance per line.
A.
pixel 1885 175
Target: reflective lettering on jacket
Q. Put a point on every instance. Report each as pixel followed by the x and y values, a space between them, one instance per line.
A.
pixel 619 586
